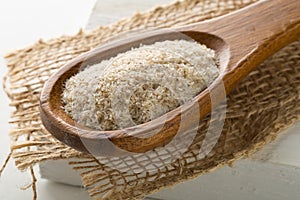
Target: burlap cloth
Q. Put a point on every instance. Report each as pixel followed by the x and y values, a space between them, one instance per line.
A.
pixel 266 102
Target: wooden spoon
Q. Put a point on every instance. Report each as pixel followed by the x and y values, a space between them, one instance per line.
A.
pixel 242 40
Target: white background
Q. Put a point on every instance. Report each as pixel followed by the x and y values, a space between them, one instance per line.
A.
pixel 23 22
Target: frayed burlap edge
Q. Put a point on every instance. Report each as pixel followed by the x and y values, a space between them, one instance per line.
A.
pixel 267 100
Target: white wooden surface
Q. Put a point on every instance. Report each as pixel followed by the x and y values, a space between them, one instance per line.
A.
pixel 106 11
pixel 273 173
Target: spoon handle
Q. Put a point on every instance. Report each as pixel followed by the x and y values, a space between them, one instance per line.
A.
pixel 255 32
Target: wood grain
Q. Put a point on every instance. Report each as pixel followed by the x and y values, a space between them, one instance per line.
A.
pixel 242 40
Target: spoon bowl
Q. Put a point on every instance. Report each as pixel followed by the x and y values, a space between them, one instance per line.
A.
pixel 241 40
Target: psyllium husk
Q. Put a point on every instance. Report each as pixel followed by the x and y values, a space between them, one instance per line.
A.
pixel 139 85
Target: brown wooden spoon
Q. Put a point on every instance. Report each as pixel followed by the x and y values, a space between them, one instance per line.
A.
pixel 242 40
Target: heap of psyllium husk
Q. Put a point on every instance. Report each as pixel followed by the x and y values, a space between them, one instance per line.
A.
pixel 139 85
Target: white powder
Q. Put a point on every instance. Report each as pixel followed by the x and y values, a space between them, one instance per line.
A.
pixel 139 85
